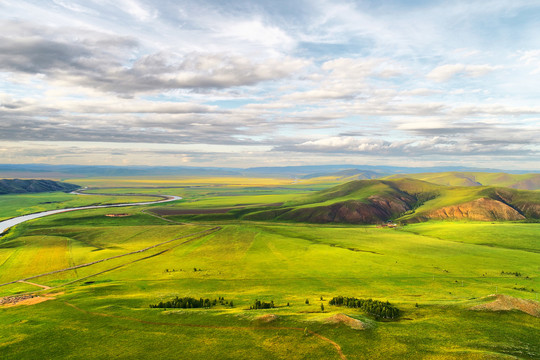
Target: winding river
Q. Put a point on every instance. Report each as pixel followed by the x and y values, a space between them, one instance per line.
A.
pixel 6 224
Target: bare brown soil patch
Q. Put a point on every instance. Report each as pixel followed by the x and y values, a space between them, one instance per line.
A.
pixel 508 303
pixel 117 215
pixel 31 283
pixel 267 318
pixel 346 320
pixel 29 299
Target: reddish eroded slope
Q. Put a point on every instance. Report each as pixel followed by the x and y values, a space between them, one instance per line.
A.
pixel 482 209
pixel 373 210
pixel 407 201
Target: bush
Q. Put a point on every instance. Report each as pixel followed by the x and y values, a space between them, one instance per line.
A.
pixel 187 303
pixel 373 307
pixel 262 305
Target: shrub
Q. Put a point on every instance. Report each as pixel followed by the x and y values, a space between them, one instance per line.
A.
pixel 373 307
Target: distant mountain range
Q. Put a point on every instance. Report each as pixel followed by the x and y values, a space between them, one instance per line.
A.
pixel 452 176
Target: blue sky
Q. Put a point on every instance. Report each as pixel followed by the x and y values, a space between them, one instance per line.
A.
pixel 269 83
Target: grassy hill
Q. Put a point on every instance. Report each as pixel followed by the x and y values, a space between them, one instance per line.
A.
pixel 17 186
pixel 407 200
pixel 455 178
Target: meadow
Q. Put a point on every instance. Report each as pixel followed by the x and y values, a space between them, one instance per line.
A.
pixel 21 204
pixel 434 272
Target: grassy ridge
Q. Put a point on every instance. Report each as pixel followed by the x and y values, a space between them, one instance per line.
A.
pixel 517 181
pixel 372 201
pixel 17 186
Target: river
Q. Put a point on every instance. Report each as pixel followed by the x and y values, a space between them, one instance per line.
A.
pixel 6 224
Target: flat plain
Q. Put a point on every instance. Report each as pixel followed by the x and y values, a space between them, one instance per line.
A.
pixel 435 272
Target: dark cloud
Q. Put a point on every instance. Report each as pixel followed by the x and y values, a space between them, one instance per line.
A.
pixel 40 56
pixel 104 62
pixel 174 129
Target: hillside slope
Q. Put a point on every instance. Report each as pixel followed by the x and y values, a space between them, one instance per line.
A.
pixel 455 178
pixel 356 202
pixel 17 186
pixel 406 200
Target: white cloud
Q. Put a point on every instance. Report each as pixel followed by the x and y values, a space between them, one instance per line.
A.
pixel 532 59
pixel 256 32
pixel 446 72
pixel 74 7
pixel 137 10
pixel 338 78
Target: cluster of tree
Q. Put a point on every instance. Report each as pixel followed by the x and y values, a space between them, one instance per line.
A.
pixel 191 303
pixel 373 307
pixel 262 305
pixel 523 289
pixel 515 273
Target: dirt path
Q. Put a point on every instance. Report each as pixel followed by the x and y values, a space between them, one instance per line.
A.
pixel 211 230
pixel 218 327
pixel 31 283
pixel 128 263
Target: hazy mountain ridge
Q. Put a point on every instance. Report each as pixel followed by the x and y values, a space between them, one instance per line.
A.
pixel 341 171
pixel 17 186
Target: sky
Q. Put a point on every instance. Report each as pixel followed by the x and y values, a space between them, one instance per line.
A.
pixel 235 83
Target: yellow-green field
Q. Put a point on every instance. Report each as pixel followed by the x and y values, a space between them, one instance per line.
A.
pixel 22 204
pixel 433 272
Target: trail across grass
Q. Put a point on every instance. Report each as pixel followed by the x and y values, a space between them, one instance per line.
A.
pixel 193 236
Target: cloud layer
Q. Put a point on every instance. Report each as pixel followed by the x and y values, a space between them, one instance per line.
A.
pixel 304 81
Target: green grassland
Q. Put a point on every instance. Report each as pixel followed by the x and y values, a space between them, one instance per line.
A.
pixel 434 272
pixel 22 204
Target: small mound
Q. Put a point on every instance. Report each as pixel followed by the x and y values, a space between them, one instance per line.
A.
pixel 347 320
pixel 508 303
pixel 267 318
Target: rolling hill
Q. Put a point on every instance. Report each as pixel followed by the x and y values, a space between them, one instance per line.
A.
pixel 17 186
pixel 406 200
pixel 455 178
